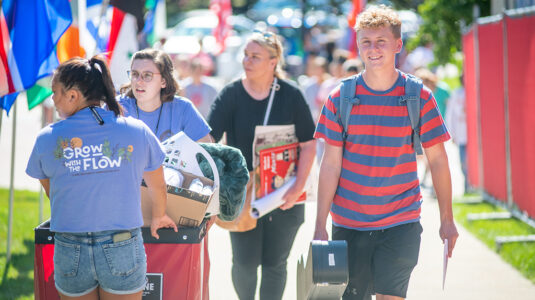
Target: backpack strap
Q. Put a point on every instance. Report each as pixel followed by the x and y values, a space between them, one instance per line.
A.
pixel 413 88
pixel 347 100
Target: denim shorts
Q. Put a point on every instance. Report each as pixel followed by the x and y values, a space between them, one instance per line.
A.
pixel 85 261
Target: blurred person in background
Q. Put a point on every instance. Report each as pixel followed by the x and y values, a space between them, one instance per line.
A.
pixel 420 57
pixel 337 74
pixel 317 72
pixel 94 188
pixel 456 122
pixel 440 89
pixel 151 96
pixel 239 107
pixel 204 58
pixel 182 67
pixel 352 67
pixel 198 88
pixel 430 80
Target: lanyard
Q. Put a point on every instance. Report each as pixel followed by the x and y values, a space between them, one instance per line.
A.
pixel 96 115
pixel 159 115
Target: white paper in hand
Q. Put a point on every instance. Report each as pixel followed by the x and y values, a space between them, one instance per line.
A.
pixel 445 265
pixel 271 201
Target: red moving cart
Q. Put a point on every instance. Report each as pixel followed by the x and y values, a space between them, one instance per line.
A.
pixel 177 264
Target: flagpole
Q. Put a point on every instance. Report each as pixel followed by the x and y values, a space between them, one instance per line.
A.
pixel 82 23
pixel 103 8
pixel 11 187
pixel 41 194
pixel 1 115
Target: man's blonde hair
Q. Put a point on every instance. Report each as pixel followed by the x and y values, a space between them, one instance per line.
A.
pixel 376 17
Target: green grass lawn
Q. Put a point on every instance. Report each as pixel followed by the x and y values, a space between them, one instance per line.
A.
pixel 16 281
pixel 520 255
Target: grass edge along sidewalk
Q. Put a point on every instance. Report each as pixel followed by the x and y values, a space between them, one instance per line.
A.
pixel 16 278
pixel 520 255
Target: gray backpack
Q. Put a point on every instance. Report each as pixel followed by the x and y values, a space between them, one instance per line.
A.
pixel 413 87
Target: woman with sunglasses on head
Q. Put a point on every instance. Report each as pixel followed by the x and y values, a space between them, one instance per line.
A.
pixel 239 107
pixel 151 97
pixel 91 165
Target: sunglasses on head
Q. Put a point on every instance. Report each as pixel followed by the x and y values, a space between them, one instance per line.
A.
pixel 265 34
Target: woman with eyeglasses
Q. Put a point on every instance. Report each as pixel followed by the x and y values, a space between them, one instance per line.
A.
pixel 91 165
pixel 151 96
pixel 239 107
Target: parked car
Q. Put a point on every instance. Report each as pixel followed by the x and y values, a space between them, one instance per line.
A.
pixel 194 33
pixel 184 37
pixel 262 9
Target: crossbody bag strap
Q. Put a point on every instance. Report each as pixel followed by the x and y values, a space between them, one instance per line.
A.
pixel 274 87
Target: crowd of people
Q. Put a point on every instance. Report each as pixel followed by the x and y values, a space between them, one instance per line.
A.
pixel 368 170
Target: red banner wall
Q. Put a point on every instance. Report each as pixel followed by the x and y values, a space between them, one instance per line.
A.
pixel 471 108
pixel 521 61
pixel 491 93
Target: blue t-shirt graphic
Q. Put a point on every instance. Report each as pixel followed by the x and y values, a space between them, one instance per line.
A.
pixel 95 171
pixel 175 116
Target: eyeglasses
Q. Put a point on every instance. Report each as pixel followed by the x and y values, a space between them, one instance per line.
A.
pixel 145 76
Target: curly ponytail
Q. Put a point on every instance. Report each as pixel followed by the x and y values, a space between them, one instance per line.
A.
pixel 92 78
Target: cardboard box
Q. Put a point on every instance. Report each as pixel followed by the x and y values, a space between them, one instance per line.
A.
pixel 187 208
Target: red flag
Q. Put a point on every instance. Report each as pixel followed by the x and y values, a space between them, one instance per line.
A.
pixel 116 23
pixel 122 44
pixel 223 10
pixel 358 6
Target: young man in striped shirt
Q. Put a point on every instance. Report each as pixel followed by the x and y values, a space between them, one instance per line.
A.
pixel 369 179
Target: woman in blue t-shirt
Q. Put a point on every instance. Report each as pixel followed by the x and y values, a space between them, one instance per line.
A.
pixel 91 165
pixel 151 97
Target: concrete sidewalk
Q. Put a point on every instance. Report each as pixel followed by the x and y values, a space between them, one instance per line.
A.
pixel 474 272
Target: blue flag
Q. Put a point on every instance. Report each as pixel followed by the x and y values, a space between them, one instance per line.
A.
pixel 34 28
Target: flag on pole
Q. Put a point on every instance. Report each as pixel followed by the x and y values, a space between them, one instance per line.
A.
pixel 69 44
pixel 29 32
pixel 132 7
pixel 67 47
pixel 358 6
pixel 156 20
pixel 39 92
pixel 223 10
pixel 126 22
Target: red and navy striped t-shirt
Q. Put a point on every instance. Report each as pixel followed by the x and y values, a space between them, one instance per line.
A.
pixel 378 185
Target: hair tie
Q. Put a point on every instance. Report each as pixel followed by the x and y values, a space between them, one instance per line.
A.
pixel 95 65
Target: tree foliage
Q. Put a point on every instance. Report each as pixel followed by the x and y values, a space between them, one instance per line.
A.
pixel 406 4
pixel 442 25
